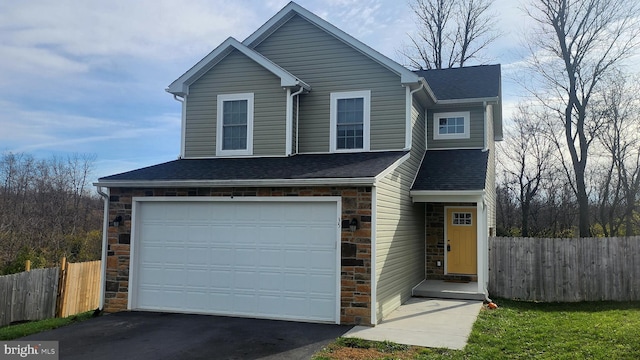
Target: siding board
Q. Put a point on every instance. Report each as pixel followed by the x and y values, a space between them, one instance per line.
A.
pixel 236 73
pixel 400 243
pixel 330 65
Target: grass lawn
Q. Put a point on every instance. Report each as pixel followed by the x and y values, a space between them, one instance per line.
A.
pixel 11 332
pixel 525 330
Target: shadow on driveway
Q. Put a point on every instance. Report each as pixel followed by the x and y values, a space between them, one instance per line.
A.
pixel 147 335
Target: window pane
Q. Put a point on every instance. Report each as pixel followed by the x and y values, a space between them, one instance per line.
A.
pixel 350 110
pixel 350 136
pixel 234 112
pixel 454 125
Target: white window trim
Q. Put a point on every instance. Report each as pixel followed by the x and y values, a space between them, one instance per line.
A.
pixel 436 128
pixel 231 97
pixel 333 109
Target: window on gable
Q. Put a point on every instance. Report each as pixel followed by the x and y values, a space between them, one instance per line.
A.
pixel 350 112
pixel 451 125
pixel 234 124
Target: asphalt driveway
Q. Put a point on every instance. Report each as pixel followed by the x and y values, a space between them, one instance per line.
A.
pixel 147 335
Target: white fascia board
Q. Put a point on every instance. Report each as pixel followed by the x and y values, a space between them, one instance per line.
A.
pixel 406 76
pixel 367 181
pixel 181 85
pixel 421 196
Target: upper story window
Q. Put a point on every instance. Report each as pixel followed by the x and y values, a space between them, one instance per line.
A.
pixel 234 130
pixel 350 117
pixel 451 125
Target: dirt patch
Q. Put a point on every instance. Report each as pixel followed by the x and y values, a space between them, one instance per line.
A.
pixel 347 353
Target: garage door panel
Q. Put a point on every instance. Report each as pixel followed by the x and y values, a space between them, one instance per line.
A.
pixel 263 259
pixel 270 258
pixel 197 300
pixel 198 234
pixel 244 280
pixel 221 256
pixel 270 281
pixel 318 258
pixel 198 278
pixel 198 255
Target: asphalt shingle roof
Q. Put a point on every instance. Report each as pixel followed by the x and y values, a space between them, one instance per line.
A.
pixel 452 170
pixel 463 83
pixel 306 166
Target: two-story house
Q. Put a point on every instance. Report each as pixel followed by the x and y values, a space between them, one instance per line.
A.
pixel 318 180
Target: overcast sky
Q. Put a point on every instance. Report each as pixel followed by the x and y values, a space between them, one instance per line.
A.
pixel 79 76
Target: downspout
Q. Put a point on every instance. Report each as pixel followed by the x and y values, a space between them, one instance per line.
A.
pixel 485 125
pixel 183 121
pixel 297 124
pixel 288 124
pixel 105 230
pixel 409 130
pixel 297 113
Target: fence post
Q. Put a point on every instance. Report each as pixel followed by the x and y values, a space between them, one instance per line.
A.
pixel 27 265
pixel 62 283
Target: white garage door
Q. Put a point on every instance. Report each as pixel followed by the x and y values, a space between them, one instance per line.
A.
pixel 272 259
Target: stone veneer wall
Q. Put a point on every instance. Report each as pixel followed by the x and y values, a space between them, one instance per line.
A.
pixel 355 295
pixel 435 244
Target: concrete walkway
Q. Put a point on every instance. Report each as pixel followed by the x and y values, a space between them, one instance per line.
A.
pixel 434 323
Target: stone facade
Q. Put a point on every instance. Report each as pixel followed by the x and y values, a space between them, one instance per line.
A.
pixel 355 295
pixel 435 242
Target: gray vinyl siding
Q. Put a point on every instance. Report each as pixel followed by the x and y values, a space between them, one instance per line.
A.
pixel 329 65
pixel 399 241
pixel 236 73
pixel 476 129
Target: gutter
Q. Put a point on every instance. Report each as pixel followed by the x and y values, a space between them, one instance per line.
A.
pixel 105 230
pixel 360 181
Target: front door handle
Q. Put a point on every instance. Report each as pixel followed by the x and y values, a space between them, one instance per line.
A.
pixel 448 245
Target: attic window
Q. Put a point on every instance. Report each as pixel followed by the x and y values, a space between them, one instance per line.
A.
pixel 452 125
pixel 234 129
pixel 349 115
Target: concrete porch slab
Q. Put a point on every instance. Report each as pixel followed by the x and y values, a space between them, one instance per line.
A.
pixel 448 290
pixel 434 323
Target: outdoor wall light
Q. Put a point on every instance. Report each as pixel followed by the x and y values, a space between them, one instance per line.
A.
pixel 353 225
pixel 117 221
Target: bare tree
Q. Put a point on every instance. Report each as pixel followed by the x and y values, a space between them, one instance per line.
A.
pixel 47 210
pixel 450 33
pixel 620 138
pixel 579 42
pixel 526 157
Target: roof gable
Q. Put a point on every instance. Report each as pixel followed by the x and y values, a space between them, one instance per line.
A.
pixel 406 76
pixel 181 85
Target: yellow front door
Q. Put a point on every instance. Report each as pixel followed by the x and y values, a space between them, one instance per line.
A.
pixel 461 240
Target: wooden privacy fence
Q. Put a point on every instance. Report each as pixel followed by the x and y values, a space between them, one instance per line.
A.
pixel 79 288
pixel 54 292
pixel 565 270
pixel 30 295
